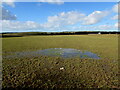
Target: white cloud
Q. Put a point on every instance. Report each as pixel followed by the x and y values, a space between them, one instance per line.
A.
pixel 7 15
pixel 115 17
pixel 104 27
pixel 53 1
pixel 94 17
pixel 9 2
pixel 97 27
pixel 63 19
pixel 117 25
pixel 115 8
pixel 17 25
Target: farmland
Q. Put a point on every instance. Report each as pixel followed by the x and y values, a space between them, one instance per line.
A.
pixel 44 71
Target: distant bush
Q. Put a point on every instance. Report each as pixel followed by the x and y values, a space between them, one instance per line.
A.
pixel 51 33
pixel 10 35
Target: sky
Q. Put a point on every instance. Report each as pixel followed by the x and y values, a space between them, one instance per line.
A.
pixel 59 16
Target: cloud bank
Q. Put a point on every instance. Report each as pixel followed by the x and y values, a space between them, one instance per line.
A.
pixel 59 21
pixel 17 25
pixel 62 21
pixel 30 25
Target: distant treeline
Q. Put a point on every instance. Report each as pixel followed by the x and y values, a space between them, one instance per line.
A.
pixel 21 34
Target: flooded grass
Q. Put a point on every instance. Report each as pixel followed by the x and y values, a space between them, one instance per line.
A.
pixel 58 72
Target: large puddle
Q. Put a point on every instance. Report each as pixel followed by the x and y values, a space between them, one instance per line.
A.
pixel 60 52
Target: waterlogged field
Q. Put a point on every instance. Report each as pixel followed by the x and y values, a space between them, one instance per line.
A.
pixel 58 72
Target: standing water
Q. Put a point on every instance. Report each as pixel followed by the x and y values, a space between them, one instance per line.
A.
pixel 60 52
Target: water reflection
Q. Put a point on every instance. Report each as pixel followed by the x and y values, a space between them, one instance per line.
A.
pixel 61 52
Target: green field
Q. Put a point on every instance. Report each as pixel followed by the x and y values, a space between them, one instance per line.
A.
pixel 44 72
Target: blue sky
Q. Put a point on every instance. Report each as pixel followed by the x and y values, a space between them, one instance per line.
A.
pixel 67 16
